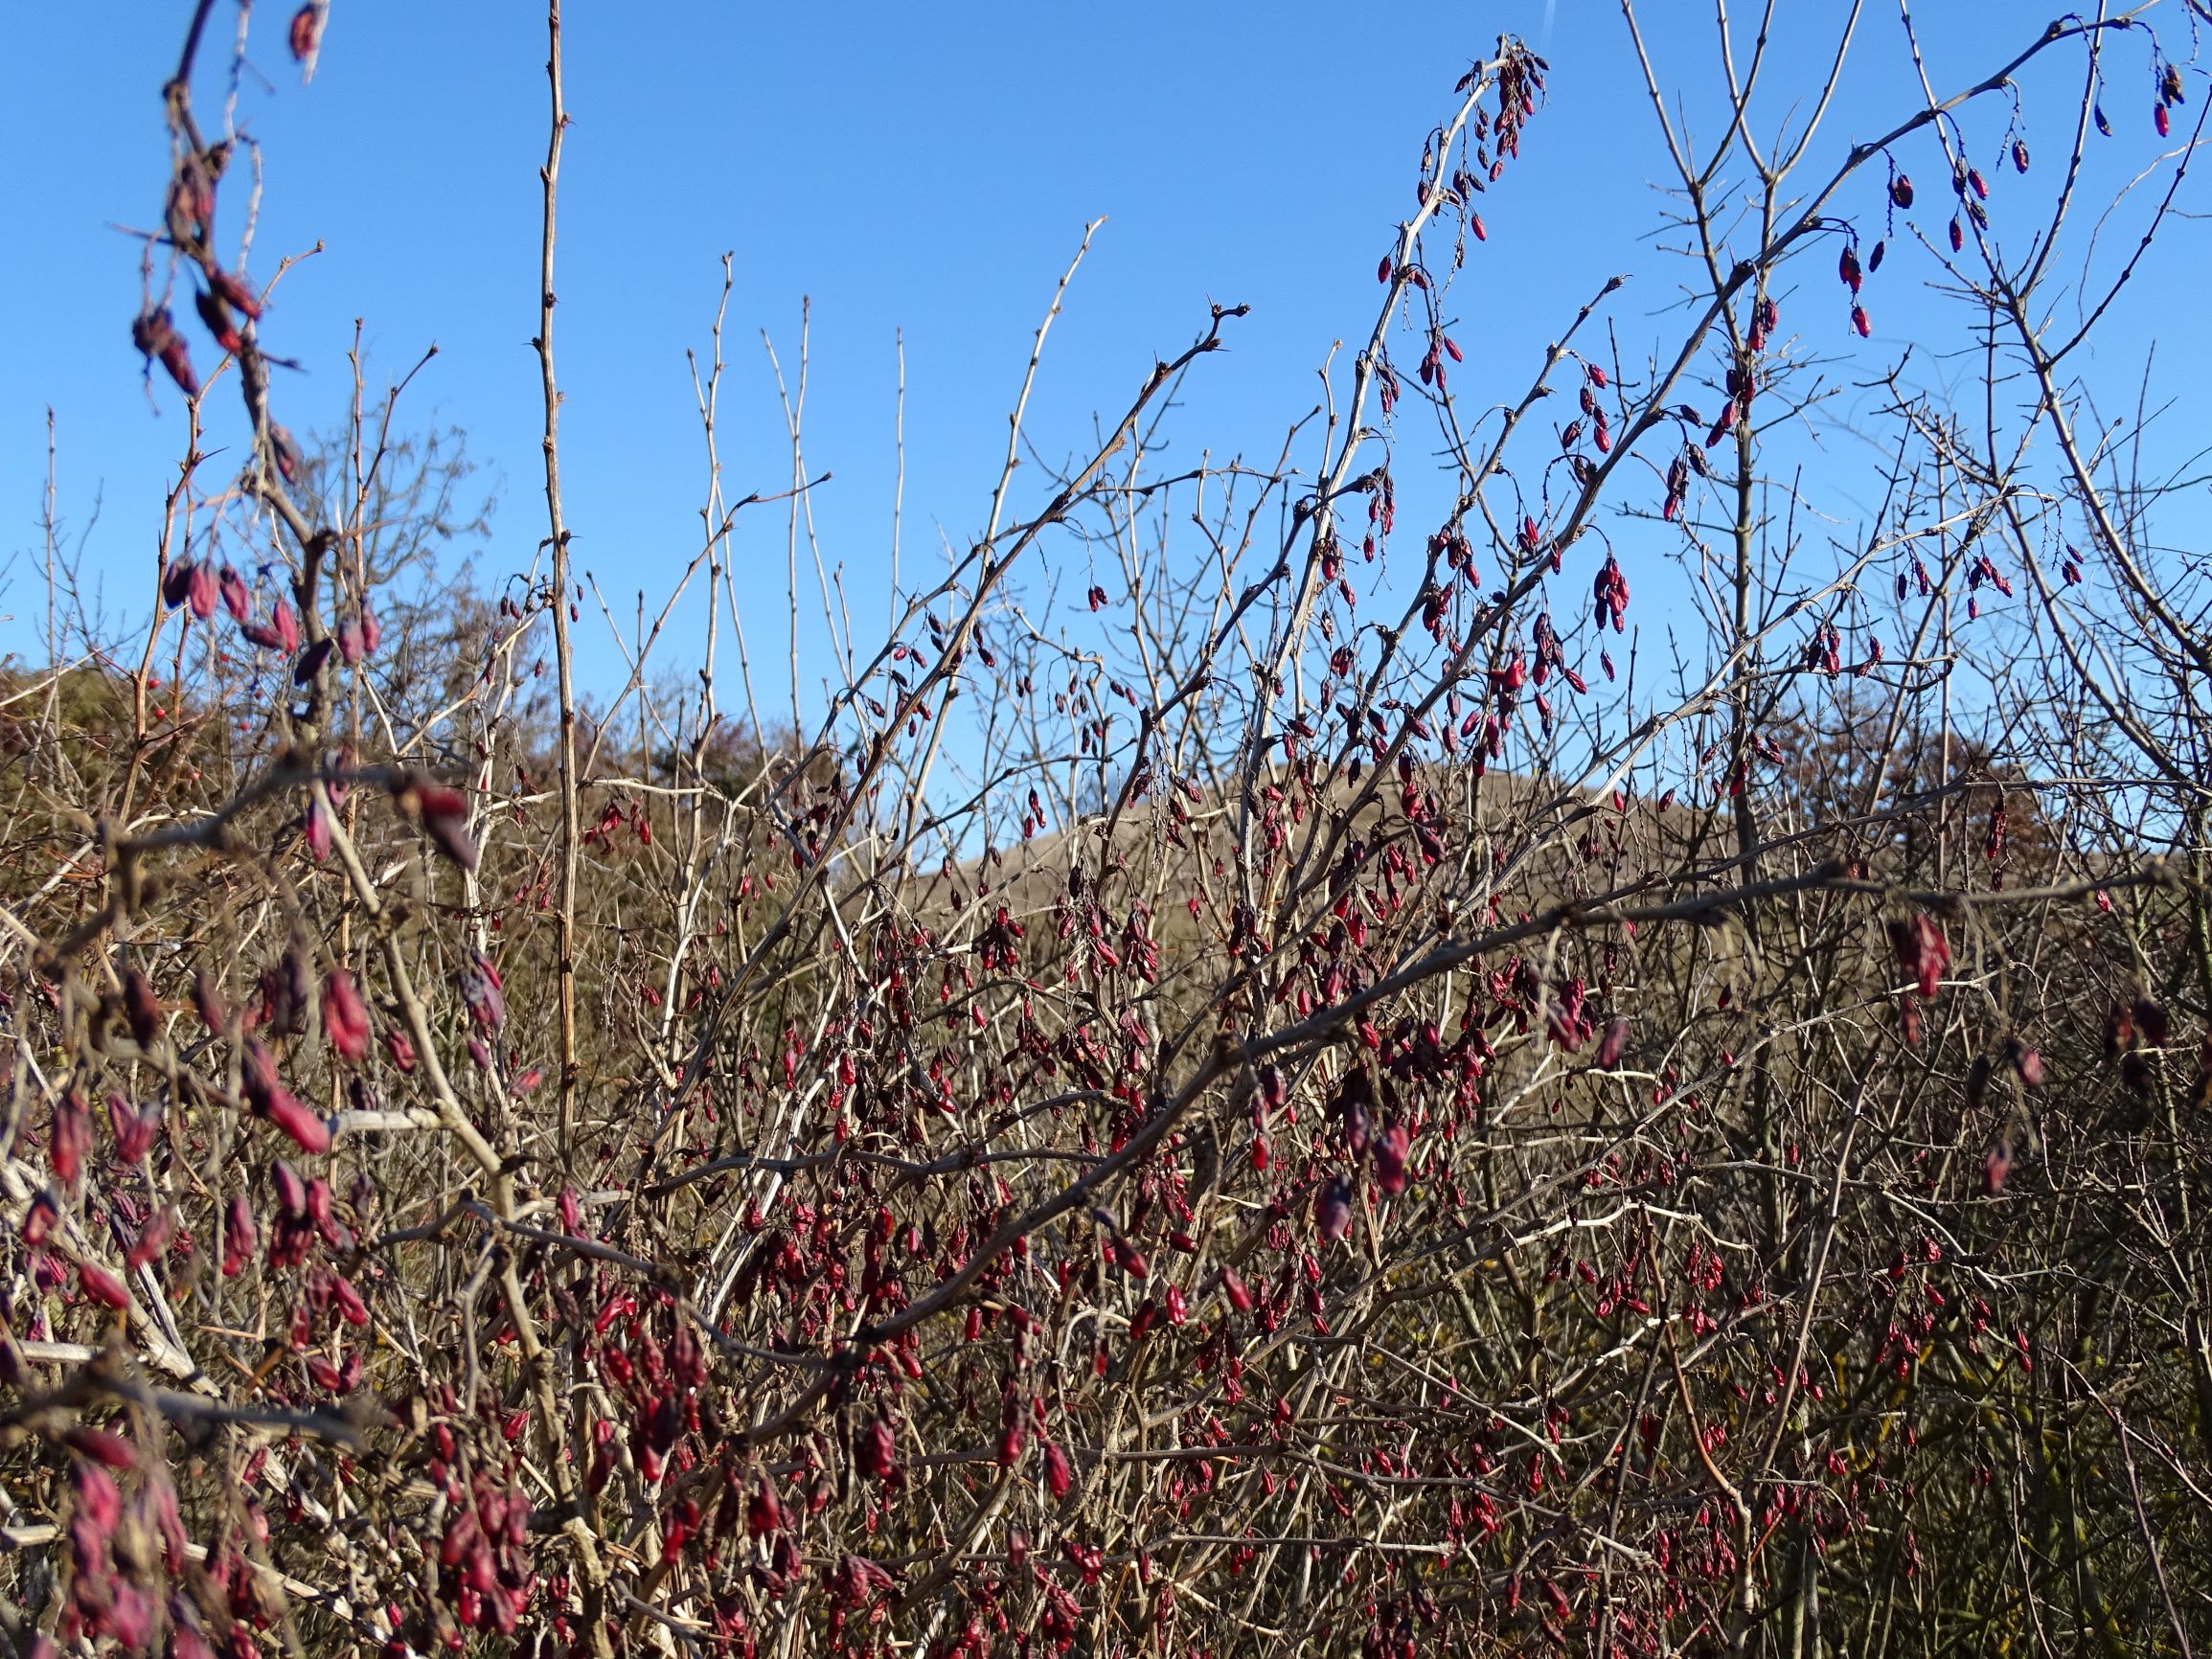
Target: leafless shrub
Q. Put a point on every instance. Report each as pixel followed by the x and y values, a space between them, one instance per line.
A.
pixel 1322 1098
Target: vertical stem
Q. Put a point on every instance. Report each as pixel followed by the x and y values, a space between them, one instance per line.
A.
pixel 1740 737
pixel 46 523
pixel 795 413
pixel 1747 668
pixel 48 726
pixel 898 488
pixel 565 925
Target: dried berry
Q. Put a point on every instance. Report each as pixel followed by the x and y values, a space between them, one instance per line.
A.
pixel 878 1450
pixel 141 1008
pixel 1333 1208
pixel 236 599
pixel 134 1130
pixel 154 333
pixel 215 314
pixel 72 1138
pixel 306 34
pixel 40 1221
pixel 102 1446
pixel 241 1241
pixel 1922 951
pixel 235 292
pixel 1392 1147
pixel 100 1285
pixel 1997 1166
pixel 764 1510
pixel 311 1133
pixel 344 1017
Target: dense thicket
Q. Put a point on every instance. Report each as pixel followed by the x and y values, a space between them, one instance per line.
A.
pixel 1337 1093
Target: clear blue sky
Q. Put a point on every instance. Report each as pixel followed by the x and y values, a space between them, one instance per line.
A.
pixel 925 168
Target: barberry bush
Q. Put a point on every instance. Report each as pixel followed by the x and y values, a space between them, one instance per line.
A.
pixel 1352 1091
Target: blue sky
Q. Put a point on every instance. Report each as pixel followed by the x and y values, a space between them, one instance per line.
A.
pixel 924 169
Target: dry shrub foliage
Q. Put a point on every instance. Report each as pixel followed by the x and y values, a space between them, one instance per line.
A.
pixel 1331 1112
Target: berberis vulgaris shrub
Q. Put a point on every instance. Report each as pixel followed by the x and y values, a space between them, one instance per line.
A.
pixel 1354 1090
